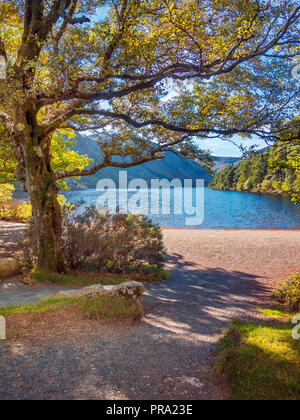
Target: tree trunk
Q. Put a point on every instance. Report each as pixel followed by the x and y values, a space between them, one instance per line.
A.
pixel 43 192
pixel 48 224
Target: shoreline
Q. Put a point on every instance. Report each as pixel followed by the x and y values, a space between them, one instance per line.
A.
pixel 3 221
pixel 232 229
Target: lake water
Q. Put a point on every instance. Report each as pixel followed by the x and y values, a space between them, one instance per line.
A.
pixel 221 209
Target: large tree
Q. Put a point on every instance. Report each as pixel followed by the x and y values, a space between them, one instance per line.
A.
pixel 152 75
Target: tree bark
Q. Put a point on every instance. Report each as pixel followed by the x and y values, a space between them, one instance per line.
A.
pixel 43 193
pixel 48 224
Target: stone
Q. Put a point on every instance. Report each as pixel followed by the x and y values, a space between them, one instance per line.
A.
pixel 130 289
pixel 9 267
pixel 110 288
pixel 191 381
pixel 185 380
pixel 91 291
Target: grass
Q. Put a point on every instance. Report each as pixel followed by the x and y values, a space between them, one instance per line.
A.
pixel 102 306
pixel 51 304
pixel 278 313
pixel 89 279
pixel 77 279
pixel 261 361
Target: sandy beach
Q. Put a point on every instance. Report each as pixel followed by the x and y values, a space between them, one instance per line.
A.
pixel 268 255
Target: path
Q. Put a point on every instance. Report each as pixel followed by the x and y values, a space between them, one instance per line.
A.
pixel 11 235
pixel 216 276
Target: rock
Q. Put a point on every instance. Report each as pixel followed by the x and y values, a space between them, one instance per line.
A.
pixel 191 381
pixel 109 289
pixel 96 290
pixel 185 380
pixel 130 289
pixel 9 267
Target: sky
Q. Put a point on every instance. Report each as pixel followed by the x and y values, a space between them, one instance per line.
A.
pixel 226 148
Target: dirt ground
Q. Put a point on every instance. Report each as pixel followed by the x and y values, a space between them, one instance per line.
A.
pixel 11 235
pixel 216 276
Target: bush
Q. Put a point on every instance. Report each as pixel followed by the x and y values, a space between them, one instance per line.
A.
pixel 289 293
pixel 10 210
pixel 6 193
pixel 113 243
pixel 95 242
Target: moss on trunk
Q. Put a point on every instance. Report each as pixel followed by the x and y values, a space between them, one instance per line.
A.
pixel 43 192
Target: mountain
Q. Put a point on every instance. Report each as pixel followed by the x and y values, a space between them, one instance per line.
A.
pixel 221 162
pixel 170 167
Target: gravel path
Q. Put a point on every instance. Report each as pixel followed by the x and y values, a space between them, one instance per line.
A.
pixel 216 276
pixel 15 293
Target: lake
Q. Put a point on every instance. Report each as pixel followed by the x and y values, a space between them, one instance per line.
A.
pixel 221 209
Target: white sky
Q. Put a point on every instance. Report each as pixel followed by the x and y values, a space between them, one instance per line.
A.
pixel 225 148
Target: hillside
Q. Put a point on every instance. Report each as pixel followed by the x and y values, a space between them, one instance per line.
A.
pixel 221 162
pixel 276 170
pixel 172 166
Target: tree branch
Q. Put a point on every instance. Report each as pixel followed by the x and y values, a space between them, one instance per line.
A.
pixel 107 162
pixel 172 127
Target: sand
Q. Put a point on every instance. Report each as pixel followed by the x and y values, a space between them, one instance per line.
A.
pixel 267 255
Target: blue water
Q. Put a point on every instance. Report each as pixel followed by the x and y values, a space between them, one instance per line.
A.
pixel 222 210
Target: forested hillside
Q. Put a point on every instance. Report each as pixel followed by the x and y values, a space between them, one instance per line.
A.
pixel 275 171
pixel 221 162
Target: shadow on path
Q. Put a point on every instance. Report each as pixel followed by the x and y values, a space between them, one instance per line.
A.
pixel 184 317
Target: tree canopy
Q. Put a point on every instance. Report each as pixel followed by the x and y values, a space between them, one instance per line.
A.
pixel 146 76
pixel 228 62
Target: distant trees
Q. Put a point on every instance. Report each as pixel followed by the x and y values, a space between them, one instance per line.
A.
pixel 275 171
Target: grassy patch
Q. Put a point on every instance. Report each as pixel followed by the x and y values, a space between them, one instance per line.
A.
pixel 278 313
pixel 89 279
pixel 101 306
pixel 51 304
pixel 261 361
pixel 77 279
pixel 150 274
pixel 104 306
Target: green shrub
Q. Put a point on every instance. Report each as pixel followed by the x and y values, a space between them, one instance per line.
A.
pixel 11 210
pixel 6 193
pixel 112 243
pixel 289 293
pixel 95 242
